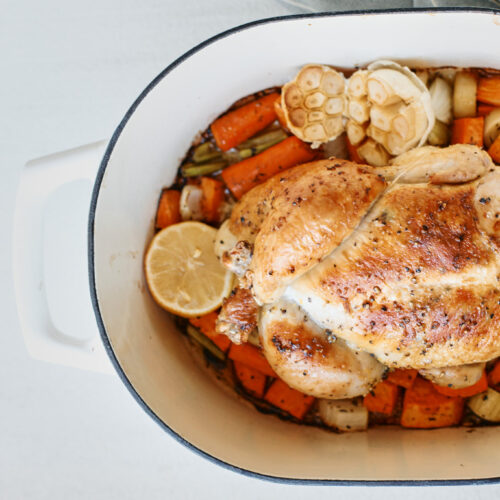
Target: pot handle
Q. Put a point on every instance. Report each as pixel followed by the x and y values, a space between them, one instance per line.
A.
pixel 50 259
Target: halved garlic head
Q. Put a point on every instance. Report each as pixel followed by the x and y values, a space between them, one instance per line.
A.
pixel 313 103
pixel 393 106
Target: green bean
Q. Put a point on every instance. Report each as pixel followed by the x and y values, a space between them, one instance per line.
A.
pixel 194 169
pixel 208 160
pixel 205 152
pixel 274 135
pixel 205 342
pixel 215 155
pixel 246 153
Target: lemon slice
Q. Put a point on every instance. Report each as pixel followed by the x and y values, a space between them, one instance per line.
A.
pixel 182 271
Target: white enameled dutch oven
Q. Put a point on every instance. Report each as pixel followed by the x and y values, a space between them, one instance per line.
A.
pixel 141 339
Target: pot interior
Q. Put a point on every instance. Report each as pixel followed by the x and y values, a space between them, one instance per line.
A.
pixel 144 156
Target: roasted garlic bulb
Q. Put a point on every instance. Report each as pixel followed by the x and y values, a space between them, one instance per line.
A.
pixel 388 103
pixel 314 103
pixel 385 109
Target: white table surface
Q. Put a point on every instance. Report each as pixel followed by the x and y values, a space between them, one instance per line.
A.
pixel 69 70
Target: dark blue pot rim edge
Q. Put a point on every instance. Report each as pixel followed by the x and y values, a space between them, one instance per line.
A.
pixel 92 283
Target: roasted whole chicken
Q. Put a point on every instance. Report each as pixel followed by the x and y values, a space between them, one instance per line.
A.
pixel 350 270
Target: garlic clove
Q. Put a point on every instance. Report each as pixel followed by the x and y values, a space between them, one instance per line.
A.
pixel 356 87
pixel 359 110
pixel 335 105
pixel 309 78
pixel 382 116
pixel 373 153
pixel 376 134
pixel 355 132
pixel 389 86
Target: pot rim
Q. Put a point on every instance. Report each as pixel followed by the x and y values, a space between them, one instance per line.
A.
pixel 91 267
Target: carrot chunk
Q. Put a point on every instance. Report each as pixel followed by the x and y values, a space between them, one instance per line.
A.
pixel 243 176
pixel 168 212
pixel 404 378
pixel 488 90
pixel 252 357
pixel 494 150
pixel 206 324
pixel 468 131
pixel 294 402
pixel 221 341
pixel 484 109
pixel 253 381
pixel 383 398
pixel 239 125
pixel 211 198
pixel 494 375
pixel 353 152
pixel 425 408
pixel 480 386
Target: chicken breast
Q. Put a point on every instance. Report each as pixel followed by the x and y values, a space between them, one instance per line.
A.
pixel 311 359
pixel 297 218
pixel 417 283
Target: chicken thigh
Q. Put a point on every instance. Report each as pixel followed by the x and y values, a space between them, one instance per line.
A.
pixel 311 359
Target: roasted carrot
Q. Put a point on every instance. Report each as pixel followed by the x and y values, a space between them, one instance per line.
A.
pixel 236 126
pixel 383 398
pixel 243 176
pixel 168 212
pixel 425 408
pixel 288 399
pixel 253 381
pixel 494 150
pixel 494 375
pixel 488 90
pixel 280 113
pixel 353 152
pixel 484 109
pixel 480 386
pixel 403 378
pixel 206 324
pixel 468 131
pixel 252 357
pixel 211 198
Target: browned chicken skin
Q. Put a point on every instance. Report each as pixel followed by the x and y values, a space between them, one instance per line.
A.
pixel 238 316
pixel 405 265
